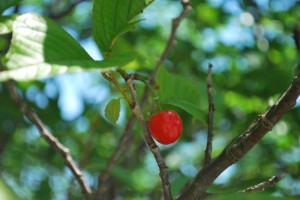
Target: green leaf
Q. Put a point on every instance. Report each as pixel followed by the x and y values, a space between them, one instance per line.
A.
pixel 42 70
pixel 41 48
pixel 4 4
pixel 248 104
pixel 6 23
pixel 180 92
pixel 112 110
pixel 111 18
pixel 192 109
pixel 6 192
pixel 207 14
pixel 40 40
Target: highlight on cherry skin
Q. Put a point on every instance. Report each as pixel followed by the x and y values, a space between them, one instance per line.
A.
pixel 166 127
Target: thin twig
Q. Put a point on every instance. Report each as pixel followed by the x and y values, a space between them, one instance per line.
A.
pixel 297 36
pixel 243 143
pixel 64 12
pixel 297 41
pixel 263 185
pixel 151 144
pixel 171 41
pixel 52 141
pixel 105 174
pixel 210 117
pixel 169 46
pixel 88 146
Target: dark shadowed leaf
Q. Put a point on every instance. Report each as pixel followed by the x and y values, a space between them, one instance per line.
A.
pixel 192 109
pixel 180 92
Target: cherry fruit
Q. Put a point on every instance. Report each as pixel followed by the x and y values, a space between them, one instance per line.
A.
pixel 165 127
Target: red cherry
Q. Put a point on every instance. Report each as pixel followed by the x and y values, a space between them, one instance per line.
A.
pixel 166 127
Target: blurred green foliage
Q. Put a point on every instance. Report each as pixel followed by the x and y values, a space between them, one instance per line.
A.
pixel 254 59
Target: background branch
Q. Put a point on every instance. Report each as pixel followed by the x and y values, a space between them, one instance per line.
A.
pixel 243 143
pixel 105 174
pixel 88 146
pixel 52 141
pixel 210 117
pixel 297 36
pixel 263 185
pixel 66 11
pixel 171 41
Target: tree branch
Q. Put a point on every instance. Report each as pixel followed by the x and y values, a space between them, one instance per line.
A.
pixel 151 144
pixel 263 185
pixel 171 41
pixel 105 174
pixel 52 141
pixel 243 143
pixel 210 117
pixel 57 16
pixel 297 36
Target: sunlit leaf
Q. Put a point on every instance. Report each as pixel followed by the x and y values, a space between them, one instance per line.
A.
pixel 42 70
pixel 6 23
pixel 112 110
pixel 111 18
pixel 41 48
pixel 37 40
pixel 6 192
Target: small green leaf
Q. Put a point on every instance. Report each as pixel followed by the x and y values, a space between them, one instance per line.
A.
pixel 41 48
pixel 112 110
pixel 6 23
pixel 111 18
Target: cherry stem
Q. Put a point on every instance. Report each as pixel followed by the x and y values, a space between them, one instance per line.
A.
pixel 155 97
pixel 144 79
pixel 110 76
